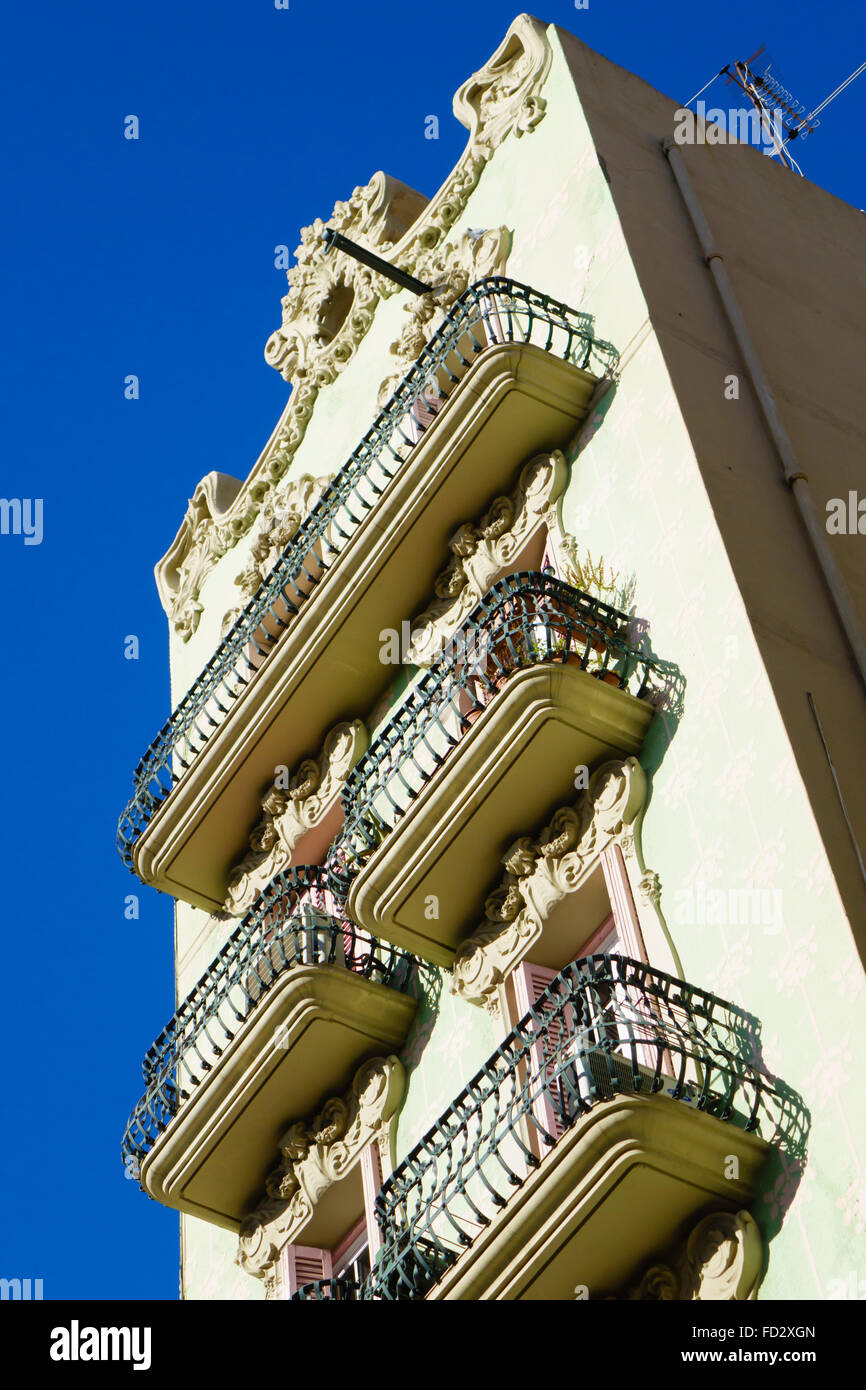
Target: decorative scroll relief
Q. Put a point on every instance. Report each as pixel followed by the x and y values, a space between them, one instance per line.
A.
pixel 314 1155
pixel 481 551
pixel 281 518
pixel 331 299
pixel 195 549
pixel 721 1261
pixel 503 95
pixel 326 313
pixel 540 872
pixel 288 814
pixel 328 308
pixel 450 269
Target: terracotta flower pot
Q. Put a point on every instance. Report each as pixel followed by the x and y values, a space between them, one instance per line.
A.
pixel 483 691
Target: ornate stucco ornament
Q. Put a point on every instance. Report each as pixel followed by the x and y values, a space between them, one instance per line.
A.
pixel 289 813
pixel 504 95
pixel 326 313
pixel 200 542
pixel 328 308
pixel 540 871
pixel 720 1261
pixel 279 523
pixel 451 268
pixel 315 1154
pixel 331 300
pixel 481 550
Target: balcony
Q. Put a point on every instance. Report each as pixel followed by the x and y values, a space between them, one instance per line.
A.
pixel 294 1002
pixel 601 1129
pixel 542 678
pixel 509 373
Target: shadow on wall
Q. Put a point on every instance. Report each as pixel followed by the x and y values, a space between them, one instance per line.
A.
pixel 786 1120
pixel 786 1163
pixel 669 700
pixel 427 988
pixel 669 682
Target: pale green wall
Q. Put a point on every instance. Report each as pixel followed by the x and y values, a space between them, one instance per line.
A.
pixel 727 805
pixel 447 1044
pixel 728 808
pixel 198 938
pixel 209 1268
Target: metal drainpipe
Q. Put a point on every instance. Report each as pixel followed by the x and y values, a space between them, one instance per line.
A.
pixel 794 476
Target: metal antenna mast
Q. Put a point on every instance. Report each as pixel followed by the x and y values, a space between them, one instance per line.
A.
pixel 782 116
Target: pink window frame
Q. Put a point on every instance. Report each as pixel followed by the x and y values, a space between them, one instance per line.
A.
pixel 329 1260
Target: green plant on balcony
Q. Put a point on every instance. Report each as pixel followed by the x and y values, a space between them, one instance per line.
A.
pixel 595 577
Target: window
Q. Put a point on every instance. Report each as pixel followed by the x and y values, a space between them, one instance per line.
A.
pixel 602 1032
pixel 352 1256
pixel 352 1259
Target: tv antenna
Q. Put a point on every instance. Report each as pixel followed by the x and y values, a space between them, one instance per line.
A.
pixel 782 117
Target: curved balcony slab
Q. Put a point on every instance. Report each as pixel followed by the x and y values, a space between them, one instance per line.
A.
pixel 515 400
pixel 626 1104
pixel 606 1201
pixel 306 1038
pixel 289 1006
pixel 424 887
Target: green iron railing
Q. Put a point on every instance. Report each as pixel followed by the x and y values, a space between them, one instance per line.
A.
pixel 297 920
pixel 490 312
pixel 322 1290
pixel 605 1026
pixel 525 620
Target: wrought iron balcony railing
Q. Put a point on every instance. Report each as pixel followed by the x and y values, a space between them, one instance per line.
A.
pixel 605 1026
pixel 490 312
pixel 524 620
pixel 297 920
pixel 348 1290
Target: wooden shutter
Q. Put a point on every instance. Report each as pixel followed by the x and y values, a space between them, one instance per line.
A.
pixel 490 327
pixel 303 1264
pixel 604 942
pixel 530 981
pixel 622 903
pixel 620 935
pixel 423 412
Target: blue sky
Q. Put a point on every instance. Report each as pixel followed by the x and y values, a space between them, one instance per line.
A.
pixel 156 258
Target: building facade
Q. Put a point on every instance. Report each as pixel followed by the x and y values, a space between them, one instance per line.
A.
pixel 511 799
